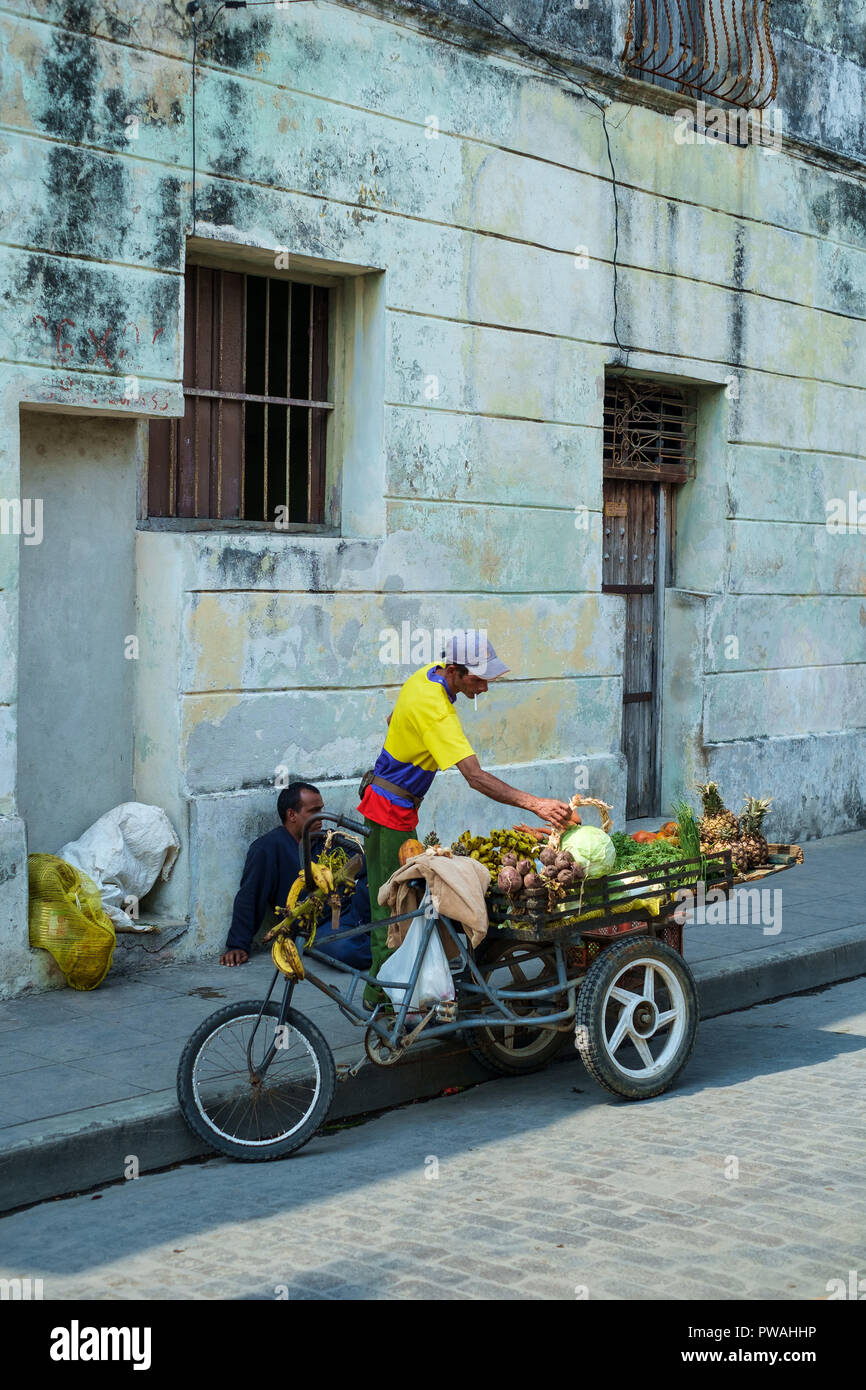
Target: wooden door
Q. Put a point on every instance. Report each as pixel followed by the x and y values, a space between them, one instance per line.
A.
pixel 631 556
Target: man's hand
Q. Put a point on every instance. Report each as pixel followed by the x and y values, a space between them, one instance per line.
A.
pixel 556 812
pixel 234 957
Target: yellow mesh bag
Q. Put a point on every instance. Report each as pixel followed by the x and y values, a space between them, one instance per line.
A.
pixel 66 918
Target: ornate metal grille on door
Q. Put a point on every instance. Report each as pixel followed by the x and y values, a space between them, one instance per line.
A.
pixel 649 431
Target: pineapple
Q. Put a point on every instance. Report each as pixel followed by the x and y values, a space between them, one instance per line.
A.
pixel 430 839
pixel 741 859
pixel 717 822
pixel 751 818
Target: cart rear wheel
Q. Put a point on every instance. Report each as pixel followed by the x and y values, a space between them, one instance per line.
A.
pixel 511 1050
pixel 637 1017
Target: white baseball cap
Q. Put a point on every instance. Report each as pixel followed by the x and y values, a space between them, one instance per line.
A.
pixel 472 649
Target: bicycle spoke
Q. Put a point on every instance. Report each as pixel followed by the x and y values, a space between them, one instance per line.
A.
pixel 232 1104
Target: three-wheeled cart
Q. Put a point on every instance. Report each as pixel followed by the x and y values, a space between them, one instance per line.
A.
pixel 257 1078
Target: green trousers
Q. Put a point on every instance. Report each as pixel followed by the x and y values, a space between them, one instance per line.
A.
pixel 382 848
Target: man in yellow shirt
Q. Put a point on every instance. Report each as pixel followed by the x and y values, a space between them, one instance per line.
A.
pixel 425 737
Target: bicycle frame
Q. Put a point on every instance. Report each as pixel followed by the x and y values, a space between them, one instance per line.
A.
pixel 391 1032
pixel 391 1035
pixel 478 986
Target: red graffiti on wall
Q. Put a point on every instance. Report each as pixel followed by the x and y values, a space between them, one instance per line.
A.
pixel 100 349
pixel 65 350
pixel 159 401
pixel 134 328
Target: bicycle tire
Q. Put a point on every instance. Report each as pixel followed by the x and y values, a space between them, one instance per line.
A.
pixel 248 1150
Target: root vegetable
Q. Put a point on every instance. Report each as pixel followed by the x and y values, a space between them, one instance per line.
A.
pixel 548 855
pixel 509 881
pixel 533 883
pixel 525 866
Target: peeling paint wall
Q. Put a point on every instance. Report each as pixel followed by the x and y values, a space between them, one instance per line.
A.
pixel 260 652
pixel 77 611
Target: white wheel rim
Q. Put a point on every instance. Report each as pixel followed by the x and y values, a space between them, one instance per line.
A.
pixel 228 1104
pixel 631 1017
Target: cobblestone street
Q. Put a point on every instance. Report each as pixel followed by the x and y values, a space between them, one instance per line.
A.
pixel 745 1181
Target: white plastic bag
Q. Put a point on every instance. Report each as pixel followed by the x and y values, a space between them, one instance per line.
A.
pixel 124 852
pixel 434 983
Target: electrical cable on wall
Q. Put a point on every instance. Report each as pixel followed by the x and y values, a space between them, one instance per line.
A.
pixel 561 72
pixel 194 7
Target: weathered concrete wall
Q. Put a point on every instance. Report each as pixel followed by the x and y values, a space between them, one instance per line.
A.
pixel 20 964
pixel 77 610
pixel 456 505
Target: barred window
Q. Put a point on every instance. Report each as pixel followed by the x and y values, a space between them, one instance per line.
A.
pixel 255 381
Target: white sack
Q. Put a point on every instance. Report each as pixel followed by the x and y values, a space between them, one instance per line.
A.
pixel 125 852
pixel 435 982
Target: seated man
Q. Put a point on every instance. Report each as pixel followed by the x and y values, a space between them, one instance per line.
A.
pixel 273 863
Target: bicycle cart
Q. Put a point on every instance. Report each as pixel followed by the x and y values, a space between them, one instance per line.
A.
pixel 256 1079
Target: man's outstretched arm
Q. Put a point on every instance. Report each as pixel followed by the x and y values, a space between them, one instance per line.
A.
pixel 546 808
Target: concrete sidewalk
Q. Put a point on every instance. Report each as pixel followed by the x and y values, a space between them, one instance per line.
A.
pixel 87 1080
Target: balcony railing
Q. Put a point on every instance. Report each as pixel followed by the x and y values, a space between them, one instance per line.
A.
pixel 721 49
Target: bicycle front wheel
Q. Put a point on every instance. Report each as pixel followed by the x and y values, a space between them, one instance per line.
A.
pixel 237 1111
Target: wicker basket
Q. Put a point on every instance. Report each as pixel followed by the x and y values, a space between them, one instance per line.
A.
pixel 576 801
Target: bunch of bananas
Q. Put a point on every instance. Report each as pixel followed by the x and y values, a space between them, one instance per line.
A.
pixel 333 873
pixel 489 849
pixel 323 877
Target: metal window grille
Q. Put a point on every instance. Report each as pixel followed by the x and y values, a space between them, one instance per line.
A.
pixel 649 431
pixel 721 49
pixel 255 376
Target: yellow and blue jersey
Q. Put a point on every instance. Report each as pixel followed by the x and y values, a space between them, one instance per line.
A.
pixel 424 737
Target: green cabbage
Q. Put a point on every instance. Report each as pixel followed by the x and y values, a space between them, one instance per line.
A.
pixel 590 847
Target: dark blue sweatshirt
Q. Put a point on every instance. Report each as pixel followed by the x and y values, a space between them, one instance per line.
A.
pixel 273 863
